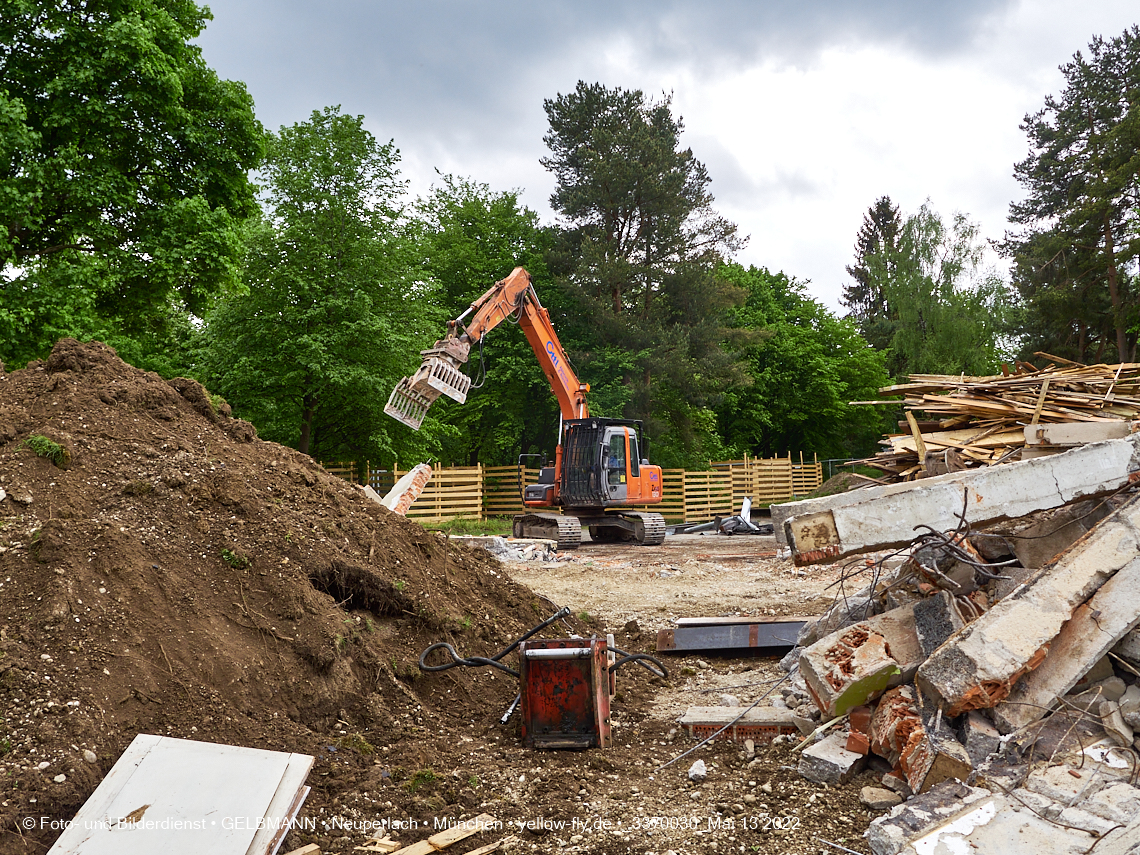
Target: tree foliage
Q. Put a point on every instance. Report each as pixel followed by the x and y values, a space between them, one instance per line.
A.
pixel 123 169
pixel 936 309
pixel 331 319
pixel 806 366
pixel 1076 257
pixel 866 297
pixel 469 237
pixel 639 256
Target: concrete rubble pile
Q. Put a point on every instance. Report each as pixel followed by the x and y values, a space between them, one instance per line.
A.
pixel 989 667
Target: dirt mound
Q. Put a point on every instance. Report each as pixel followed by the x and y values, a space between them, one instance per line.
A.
pixel 162 570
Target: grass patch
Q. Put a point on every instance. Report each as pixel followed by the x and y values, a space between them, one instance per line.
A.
pixel 48 449
pixel 419 780
pixel 356 742
pixel 235 559
pixel 500 526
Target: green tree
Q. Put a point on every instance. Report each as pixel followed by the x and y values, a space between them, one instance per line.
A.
pixel 806 366
pixel 332 317
pixel 123 170
pixel 865 297
pixel 469 237
pixel 942 312
pixel 639 257
pixel 1075 260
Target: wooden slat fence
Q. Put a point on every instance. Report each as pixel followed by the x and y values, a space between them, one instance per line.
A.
pixel 687 496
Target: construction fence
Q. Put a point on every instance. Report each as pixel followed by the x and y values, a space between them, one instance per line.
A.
pixel 481 491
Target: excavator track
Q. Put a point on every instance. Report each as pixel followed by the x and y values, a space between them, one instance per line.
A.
pixel 565 531
pixel 649 528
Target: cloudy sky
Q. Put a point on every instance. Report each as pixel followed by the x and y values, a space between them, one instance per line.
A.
pixel 805 111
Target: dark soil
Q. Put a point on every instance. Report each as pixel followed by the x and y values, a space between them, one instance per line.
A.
pixel 165 571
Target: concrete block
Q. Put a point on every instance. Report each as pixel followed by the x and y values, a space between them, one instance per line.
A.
pixel 1128 648
pixel 980 737
pixel 1089 633
pixel 856 664
pixel 896 782
pixel 829 762
pixel 829 528
pixel 876 798
pixel 935 620
pixel 991 654
pixel 1118 803
pixel 1114 725
pixel 1130 706
pixel 1043 541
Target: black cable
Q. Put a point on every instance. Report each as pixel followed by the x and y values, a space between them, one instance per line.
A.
pixel 480 661
pixel 641 659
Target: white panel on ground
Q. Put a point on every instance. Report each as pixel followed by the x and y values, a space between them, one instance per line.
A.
pixel 179 797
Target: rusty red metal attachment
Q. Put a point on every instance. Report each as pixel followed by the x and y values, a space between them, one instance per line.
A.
pixel 566 685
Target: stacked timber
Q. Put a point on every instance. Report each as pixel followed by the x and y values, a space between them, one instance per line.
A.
pixel 956 422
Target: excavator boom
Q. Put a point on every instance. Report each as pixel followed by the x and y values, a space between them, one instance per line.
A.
pixel 441 374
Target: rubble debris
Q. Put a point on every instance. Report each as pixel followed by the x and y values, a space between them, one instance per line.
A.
pixel 979 736
pixel 926 753
pixel 1128 648
pixel 936 618
pixel 513 548
pixel 856 664
pixel 989 655
pixel 1088 634
pixel 829 762
pixel 698 771
pixel 164 786
pixel 405 491
pixel 1040 543
pixel 760 636
pixel 829 528
pixel 877 798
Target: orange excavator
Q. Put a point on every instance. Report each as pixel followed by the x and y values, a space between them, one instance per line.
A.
pixel 598 470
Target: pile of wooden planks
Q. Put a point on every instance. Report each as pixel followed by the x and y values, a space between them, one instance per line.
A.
pixel 956 422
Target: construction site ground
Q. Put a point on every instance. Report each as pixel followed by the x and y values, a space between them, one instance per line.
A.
pixel 164 571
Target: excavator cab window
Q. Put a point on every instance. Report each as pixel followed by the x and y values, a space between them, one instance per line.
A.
pixel 615 459
pixel 634 457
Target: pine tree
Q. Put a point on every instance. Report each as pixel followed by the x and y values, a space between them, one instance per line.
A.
pixel 878 240
pixel 1082 210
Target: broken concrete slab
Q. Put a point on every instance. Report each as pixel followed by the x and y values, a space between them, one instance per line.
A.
pixel 1040 543
pixel 1121 841
pixel 988 656
pixel 890 834
pixel 1128 648
pixel 876 798
pixel 1076 433
pixel 935 619
pixel 856 664
pixel 1091 630
pixel 881 517
pixel 979 822
pixel 1119 803
pixel 829 762
pixel 980 737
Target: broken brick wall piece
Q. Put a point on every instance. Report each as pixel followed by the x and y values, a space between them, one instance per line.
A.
pixel 405 491
pixel 927 753
pixel 855 665
pixel 988 656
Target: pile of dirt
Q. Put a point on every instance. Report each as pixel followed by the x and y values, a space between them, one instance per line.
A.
pixel 163 570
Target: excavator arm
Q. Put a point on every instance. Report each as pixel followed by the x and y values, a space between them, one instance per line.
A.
pixel 441 374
